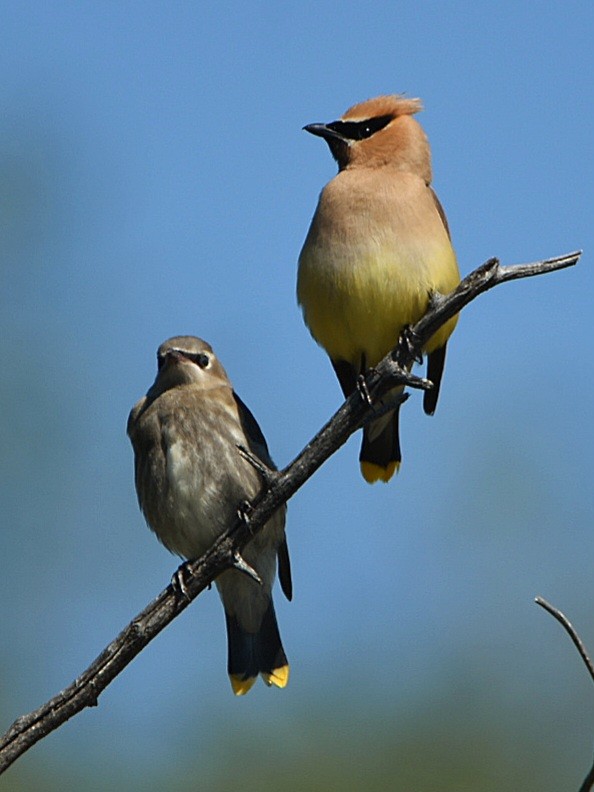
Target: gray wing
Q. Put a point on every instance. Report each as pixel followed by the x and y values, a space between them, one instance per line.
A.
pixel 259 447
pixel 253 433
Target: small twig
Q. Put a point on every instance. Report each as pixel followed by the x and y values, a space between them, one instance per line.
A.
pixel 266 474
pixel 571 631
pixel 588 783
pixel 85 690
pixel 242 565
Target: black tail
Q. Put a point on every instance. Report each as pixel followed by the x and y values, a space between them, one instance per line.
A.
pixel 250 654
pixel 380 458
pixel 435 366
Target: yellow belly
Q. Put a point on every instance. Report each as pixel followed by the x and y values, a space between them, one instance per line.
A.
pixel 357 300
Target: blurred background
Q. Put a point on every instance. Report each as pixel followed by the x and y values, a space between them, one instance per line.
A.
pixel 154 180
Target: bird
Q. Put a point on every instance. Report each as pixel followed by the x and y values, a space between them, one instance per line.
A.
pixel 377 249
pixel 191 479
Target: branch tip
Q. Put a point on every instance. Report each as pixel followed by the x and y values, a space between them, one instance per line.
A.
pixel 241 565
pixel 570 630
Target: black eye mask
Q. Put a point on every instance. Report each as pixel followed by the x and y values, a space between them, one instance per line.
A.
pixel 359 130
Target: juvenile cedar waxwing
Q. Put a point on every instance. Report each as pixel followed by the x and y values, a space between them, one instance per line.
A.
pixel 377 247
pixel 191 479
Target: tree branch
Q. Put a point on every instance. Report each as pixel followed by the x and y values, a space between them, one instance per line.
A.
pixel 278 488
pixel 588 783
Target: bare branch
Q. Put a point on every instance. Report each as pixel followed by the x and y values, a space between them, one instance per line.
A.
pixel 571 631
pixel 198 574
pixel 578 643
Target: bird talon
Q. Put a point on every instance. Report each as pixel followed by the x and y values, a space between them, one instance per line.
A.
pixel 244 512
pixel 177 580
pixel 364 390
pixel 412 343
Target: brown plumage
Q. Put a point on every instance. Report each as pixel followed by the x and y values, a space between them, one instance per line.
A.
pixel 191 480
pixel 377 248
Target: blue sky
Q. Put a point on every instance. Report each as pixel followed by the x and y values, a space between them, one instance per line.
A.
pixel 154 180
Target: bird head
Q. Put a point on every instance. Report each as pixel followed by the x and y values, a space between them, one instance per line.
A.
pixel 378 132
pixel 187 360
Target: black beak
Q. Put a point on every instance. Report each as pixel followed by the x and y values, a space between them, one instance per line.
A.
pixel 324 131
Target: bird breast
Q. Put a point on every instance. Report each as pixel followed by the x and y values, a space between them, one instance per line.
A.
pixel 204 479
pixel 375 250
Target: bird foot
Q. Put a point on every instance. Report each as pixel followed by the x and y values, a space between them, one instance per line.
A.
pixel 411 343
pixel 178 581
pixel 364 390
pixel 244 511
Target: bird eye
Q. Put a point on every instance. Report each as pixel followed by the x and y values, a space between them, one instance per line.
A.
pixel 359 130
pixel 202 360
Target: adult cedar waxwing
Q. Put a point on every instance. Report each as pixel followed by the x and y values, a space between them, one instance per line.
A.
pixel 191 479
pixel 377 248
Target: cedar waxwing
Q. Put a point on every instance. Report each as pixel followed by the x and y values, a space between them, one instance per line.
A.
pixel 191 479
pixel 377 248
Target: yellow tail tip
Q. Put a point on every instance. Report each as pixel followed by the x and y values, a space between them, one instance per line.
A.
pixel 240 685
pixel 279 677
pixel 372 472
